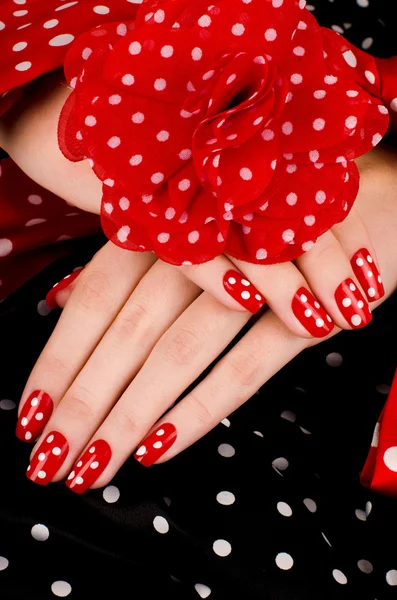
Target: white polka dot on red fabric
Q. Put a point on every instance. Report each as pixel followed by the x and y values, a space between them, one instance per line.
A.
pixel 197 53
pixel 163 136
pixel 296 78
pixel 61 40
pixel 238 29
pixel 128 79
pixel 246 174
pixel 204 21
pixel 136 160
pixel 184 185
pixel 160 84
pixel 138 117
pixel 135 48
pixel 5 247
pixel 193 237
pixel 270 34
pixel 163 238
pixel 390 458
pixel 287 128
pixel 320 94
pixel 351 122
pixel 114 142
pixel 318 124
pixel 114 99
pixel 167 51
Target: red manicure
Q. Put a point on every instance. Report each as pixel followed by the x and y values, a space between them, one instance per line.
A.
pixel 61 285
pixel 367 273
pixel 89 467
pixel 352 304
pixel 243 291
pixel 311 314
pixel 34 416
pixel 156 444
pixel 48 458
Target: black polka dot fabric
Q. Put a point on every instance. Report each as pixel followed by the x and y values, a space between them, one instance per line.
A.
pixel 266 506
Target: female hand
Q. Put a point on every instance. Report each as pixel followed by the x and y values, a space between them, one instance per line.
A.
pixel 333 282
pixel 135 334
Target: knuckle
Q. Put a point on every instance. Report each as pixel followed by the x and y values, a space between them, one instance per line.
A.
pixel 95 291
pixel 244 369
pixel 183 347
pixel 131 319
pixel 126 423
pixel 200 410
pixel 75 407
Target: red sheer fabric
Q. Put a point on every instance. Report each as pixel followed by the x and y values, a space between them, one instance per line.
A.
pixel 34 38
pixel 225 128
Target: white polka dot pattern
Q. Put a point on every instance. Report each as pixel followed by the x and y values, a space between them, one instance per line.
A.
pixel 221 198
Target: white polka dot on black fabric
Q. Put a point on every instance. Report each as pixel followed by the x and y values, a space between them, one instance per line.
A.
pixel 40 532
pixel 61 589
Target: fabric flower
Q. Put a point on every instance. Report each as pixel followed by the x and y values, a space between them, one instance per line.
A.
pixel 224 128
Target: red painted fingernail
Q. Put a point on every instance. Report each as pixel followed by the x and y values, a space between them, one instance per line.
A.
pixel 352 304
pixel 311 314
pixel 50 299
pixel 34 416
pixel 48 458
pixel 156 444
pixel 368 275
pixel 243 291
pixel 89 467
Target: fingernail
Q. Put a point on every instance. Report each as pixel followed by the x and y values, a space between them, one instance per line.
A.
pixel 50 299
pixel 368 275
pixel 352 304
pixel 242 290
pixel 156 444
pixel 89 467
pixel 48 458
pixel 34 416
pixel 311 314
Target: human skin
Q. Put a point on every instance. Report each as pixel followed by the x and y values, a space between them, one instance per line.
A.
pixel 136 332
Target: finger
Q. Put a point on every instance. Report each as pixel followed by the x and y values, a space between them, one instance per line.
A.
pixel 356 242
pixel 60 293
pixel 220 278
pixel 158 300
pixel 101 290
pixel 330 275
pixel 180 356
pixel 229 385
pixel 289 296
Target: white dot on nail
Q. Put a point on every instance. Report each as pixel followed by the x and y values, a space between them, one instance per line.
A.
pixel 352 287
pixel 160 432
pixel 356 320
pixel 141 451
pixel 303 298
pixel 359 262
pixel 39 416
pixel 232 280
pixel 79 480
pixel 371 292
pixel 245 282
pixel 28 435
pixel 157 444
pixel 346 302
pixel 24 422
pixel 42 456
pixel 56 451
pixel 50 439
pixel 34 402
pixel 245 295
pixel 94 465
pixel 308 313
pixel 41 474
pixel 319 323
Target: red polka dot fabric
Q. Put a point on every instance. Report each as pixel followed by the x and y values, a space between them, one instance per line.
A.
pixel 223 128
pixel 34 38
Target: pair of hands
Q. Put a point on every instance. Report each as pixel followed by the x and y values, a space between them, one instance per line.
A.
pixel 136 332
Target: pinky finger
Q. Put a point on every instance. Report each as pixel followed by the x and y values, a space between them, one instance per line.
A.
pixel 60 293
